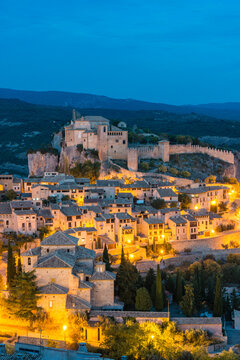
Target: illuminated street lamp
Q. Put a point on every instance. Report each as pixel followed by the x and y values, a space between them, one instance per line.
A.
pixel 213 202
pixel 64 333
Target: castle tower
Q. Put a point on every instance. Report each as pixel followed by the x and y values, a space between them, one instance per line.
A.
pixel 164 150
pixel 102 133
pixel 132 160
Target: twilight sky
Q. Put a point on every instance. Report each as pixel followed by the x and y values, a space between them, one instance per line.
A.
pixel 171 51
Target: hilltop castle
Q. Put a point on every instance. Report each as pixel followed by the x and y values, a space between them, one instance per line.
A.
pixel 111 142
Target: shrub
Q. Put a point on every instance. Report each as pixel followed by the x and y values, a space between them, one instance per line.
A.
pixel 162 169
pixel 173 171
pixel 80 148
pixel 185 173
pixel 144 166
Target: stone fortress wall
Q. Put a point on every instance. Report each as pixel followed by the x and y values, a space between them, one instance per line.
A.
pixel 163 150
pixel 224 155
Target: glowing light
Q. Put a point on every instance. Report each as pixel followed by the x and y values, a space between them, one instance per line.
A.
pixel 129 241
pixel 196 207
pixel 64 327
pixel 131 256
pixel 161 251
pixel 152 336
pixel 212 231
pixel 163 236
pixel 213 202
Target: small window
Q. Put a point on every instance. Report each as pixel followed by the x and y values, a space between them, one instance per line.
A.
pixel 29 261
pixel 47 250
pixel 124 141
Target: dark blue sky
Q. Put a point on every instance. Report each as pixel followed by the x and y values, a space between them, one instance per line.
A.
pixel 172 51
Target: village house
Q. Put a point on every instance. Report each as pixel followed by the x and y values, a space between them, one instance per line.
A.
pixel 205 197
pixel 18 216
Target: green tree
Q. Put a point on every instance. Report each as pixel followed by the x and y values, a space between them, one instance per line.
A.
pixel 19 265
pixel 210 179
pixel 23 296
pixel 159 304
pixel 185 201
pixel 217 307
pixel 197 289
pixel 9 195
pixel 77 323
pixel 150 283
pixel 143 301
pixel 43 232
pixel 106 258
pixel 126 281
pixel 179 287
pixel 185 174
pixel 11 266
pixel 162 169
pixel 187 303
pixel 159 204
pixel 173 171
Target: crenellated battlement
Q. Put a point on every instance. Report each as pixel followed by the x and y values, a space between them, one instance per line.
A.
pixel 163 150
pixel 224 155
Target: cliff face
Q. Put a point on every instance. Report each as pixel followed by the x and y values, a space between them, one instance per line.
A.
pixel 39 163
pixel 69 156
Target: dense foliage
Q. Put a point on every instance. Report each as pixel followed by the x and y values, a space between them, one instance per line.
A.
pixel 87 170
pixel 141 341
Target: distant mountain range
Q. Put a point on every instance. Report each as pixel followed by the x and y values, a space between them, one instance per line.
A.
pixel 230 110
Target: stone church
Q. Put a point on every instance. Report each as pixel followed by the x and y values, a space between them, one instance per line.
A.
pixel 68 276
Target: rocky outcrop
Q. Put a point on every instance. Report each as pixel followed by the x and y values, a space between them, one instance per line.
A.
pixel 39 163
pixel 70 155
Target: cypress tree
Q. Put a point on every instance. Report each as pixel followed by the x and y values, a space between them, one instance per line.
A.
pixel 143 301
pixel 11 266
pixel 187 303
pixel 159 291
pixel 123 260
pixel 202 281
pixel 19 266
pixel 179 287
pixel 197 289
pixel 106 258
pixel 217 307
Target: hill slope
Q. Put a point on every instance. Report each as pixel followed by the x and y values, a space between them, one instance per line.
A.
pixel 80 100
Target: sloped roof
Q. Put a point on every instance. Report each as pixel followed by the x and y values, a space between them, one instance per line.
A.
pixel 5 208
pixel 60 238
pixel 32 252
pixel 153 220
pixel 106 275
pixel 124 216
pixel 74 302
pixel 53 288
pixel 58 259
pixel 178 220
pixel 84 253
pixel 166 193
